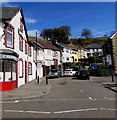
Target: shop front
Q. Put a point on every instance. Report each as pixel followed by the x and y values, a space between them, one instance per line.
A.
pixel 8 70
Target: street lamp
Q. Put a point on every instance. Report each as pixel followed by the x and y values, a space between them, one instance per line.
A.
pixel 36 53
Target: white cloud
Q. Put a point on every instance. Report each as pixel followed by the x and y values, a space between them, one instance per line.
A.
pixel 33 33
pixel 29 20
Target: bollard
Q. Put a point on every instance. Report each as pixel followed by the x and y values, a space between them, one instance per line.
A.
pixel 38 79
pixel 46 80
pixel 112 77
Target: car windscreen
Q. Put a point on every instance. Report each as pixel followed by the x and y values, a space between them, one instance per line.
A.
pixel 68 70
pixel 54 70
pixel 83 72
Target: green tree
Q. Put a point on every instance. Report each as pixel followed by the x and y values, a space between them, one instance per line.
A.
pixel 86 33
pixel 60 34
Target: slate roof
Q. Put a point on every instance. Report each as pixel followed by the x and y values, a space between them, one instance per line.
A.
pixel 8 12
pixel 44 43
pixel 94 46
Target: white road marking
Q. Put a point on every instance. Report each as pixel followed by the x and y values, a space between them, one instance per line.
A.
pixel 38 112
pixel 87 95
pixel 27 111
pixel 16 101
pixel 79 110
pixel 13 110
pixel 107 109
pixel 90 98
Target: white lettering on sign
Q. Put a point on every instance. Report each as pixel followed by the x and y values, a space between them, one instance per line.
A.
pixel 8 57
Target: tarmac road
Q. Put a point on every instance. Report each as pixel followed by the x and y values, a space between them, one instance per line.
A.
pixel 68 98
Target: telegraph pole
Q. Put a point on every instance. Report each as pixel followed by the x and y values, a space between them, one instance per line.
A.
pixel 61 69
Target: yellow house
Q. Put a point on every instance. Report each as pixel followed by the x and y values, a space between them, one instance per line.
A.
pixel 114 43
pixel 77 53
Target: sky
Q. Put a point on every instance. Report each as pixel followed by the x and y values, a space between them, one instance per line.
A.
pixel 99 17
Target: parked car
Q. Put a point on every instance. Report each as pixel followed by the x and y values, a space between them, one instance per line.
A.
pixel 69 72
pixel 54 73
pixel 94 70
pixel 82 74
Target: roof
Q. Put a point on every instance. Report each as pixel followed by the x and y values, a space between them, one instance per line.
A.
pixel 8 12
pixel 43 43
pixel 93 46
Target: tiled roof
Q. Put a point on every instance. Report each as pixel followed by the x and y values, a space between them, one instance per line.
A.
pixel 8 13
pixel 46 44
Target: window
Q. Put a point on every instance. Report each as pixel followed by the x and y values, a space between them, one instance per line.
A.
pixel 29 50
pixel 21 43
pixel 29 68
pixel 25 47
pixel 10 37
pixel 8 71
pixel 48 52
pixel 20 68
pixel 75 59
pixel 67 58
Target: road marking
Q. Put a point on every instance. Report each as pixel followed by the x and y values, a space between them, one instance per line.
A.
pixel 107 109
pixel 16 101
pixel 13 110
pixel 79 110
pixel 87 95
pixel 38 112
pixel 90 98
pixel 22 111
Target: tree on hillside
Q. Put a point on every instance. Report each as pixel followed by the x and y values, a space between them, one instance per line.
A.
pixel 86 33
pixel 47 34
pixel 67 29
pixel 61 34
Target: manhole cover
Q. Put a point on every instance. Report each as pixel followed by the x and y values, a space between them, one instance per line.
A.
pixel 63 83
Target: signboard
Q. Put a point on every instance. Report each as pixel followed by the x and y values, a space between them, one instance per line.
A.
pixel 10 57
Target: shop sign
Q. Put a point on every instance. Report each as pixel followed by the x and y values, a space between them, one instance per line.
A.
pixel 11 57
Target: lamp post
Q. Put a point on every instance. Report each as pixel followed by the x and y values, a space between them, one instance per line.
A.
pixel 36 54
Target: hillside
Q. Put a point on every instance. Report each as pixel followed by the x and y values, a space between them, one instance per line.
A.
pixel 83 42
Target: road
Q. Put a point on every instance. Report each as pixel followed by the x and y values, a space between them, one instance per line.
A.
pixel 68 98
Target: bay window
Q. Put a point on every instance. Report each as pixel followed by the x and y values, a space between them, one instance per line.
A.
pixel 7 71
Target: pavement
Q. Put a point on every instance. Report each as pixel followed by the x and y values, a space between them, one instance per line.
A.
pixel 34 89
pixel 28 90
pixel 111 84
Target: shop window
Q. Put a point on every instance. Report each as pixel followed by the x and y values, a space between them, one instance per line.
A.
pixel 20 68
pixel 29 68
pixel 10 37
pixel 21 43
pixel 8 71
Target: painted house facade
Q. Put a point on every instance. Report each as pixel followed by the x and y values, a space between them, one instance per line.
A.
pixel 50 56
pixel 16 55
pixel 114 45
pixel 93 49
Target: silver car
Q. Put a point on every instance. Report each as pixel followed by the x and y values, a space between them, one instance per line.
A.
pixel 54 73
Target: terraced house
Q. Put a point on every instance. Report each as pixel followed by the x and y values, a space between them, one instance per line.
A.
pixel 16 56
